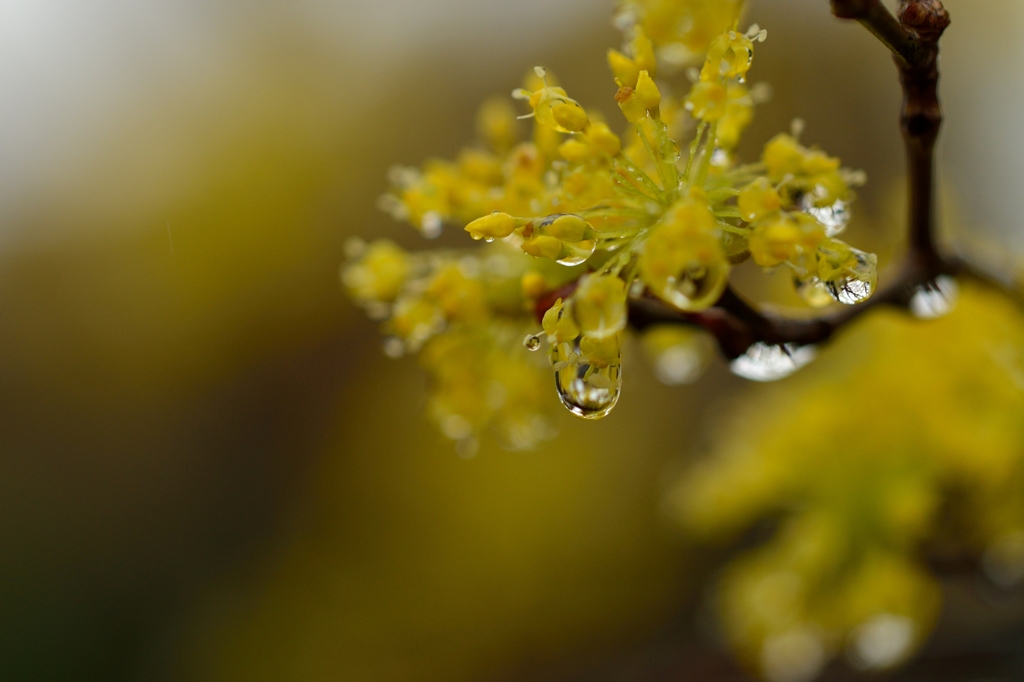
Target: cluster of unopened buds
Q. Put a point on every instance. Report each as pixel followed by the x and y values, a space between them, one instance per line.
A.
pixel 581 220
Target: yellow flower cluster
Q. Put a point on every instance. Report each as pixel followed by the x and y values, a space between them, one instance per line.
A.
pixel 681 30
pixel 458 312
pixel 625 214
pixel 860 481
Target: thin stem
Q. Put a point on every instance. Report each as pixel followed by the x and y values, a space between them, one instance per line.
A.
pixel 872 15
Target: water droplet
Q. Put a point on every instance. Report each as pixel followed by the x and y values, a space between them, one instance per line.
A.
pixel 882 642
pixel 574 253
pixel 698 286
pixel 586 390
pixel 769 362
pixel 934 299
pixel 532 342
pixel 814 293
pixel 834 218
pixel 858 281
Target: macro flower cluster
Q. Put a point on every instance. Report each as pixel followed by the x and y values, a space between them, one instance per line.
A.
pixel 586 214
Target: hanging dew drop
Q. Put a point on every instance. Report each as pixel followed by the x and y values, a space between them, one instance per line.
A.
pixel 770 362
pixel 574 253
pixel 834 218
pixel 849 290
pixel 857 282
pixel 532 342
pixel 585 389
pixel 934 299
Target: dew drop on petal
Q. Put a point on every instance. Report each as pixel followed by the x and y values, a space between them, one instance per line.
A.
pixel 858 282
pixel 532 342
pixel 769 362
pixel 833 218
pixel 587 391
pixel 697 286
pixel 574 253
pixel 934 299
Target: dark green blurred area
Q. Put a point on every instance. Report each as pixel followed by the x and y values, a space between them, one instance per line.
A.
pixel 211 472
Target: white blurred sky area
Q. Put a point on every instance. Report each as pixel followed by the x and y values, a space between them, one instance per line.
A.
pixel 66 67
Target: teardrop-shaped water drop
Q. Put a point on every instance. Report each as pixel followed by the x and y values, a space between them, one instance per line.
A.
pixel 586 390
pixel 532 342
pixel 771 362
pixel 574 253
pixel 858 281
pixel 834 218
pixel 934 299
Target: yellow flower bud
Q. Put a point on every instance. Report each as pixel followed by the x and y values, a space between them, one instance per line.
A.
pixel 533 284
pixel 758 199
pixel 783 156
pixel 575 150
pixel 624 68
pixel 379 274
pixel 570 116
pixel 457 296
pixel 600 352
pixel 481 166
pixel 566 227
pixel 632 106
pixel 648 92
pixel 599 306
pixel 553 108
pixel 496 123
pixel 729 56
pixel 707 101
pixel 558 324
pixel 543 246
pixel 600 136
pixel 785 239
pixel 494 226
pixel 643 51
pixel 683 262
pixel 739 112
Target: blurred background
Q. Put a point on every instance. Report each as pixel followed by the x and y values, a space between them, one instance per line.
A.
pixel 208 468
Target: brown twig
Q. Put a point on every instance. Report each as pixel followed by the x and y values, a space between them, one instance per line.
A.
pixel 913 37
